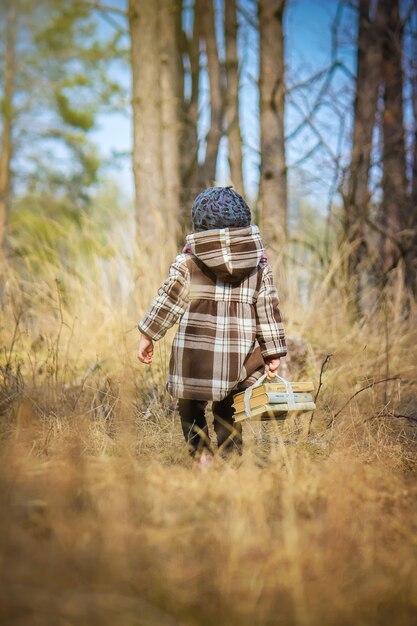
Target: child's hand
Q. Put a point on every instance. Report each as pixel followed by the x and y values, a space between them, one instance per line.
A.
pixel 145 350
pixel 272 364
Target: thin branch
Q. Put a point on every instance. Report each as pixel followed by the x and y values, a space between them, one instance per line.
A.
pixel 308 121
pixel 310 246
pixel 411 418
pixel 107 8
pixel 318 75
pixel 323 365
pixel 318 100
pixel 378 382
pixel 385 233
pixel 308 154
pixel 248 17
pixel 407 17
pixel 17 317
pixel 112 22
pixel 335 28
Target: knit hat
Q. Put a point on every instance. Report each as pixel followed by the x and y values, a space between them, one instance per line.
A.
pixel 219 207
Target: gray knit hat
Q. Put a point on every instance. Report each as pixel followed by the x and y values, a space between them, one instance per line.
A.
pixel 219 207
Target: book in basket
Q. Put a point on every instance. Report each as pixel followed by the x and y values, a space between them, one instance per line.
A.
pixel 272 411
pixel 272 397
pixel 267 387
pixel 273 400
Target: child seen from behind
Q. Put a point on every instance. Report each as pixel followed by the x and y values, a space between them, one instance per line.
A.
pixel 230 327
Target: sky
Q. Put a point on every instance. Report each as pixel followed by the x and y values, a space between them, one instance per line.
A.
pixel 308 50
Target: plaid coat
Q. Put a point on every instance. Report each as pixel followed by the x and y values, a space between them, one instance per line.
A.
pixel 222 292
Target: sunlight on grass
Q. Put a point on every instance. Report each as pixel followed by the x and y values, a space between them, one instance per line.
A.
pixel 105 522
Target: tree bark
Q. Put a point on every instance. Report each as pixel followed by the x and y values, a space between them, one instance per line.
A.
pixel 365 107
pixel 155 92
pixel 7 124
pixel 232 98
pixel 147 163
pixel 171 100
pixel 414 175
pixel 414 107
pixel 273 182
pixel 411 275
pixel 394 206
pixel 189 140
pixel 208 169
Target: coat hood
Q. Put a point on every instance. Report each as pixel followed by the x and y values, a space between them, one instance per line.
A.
pixel 231 253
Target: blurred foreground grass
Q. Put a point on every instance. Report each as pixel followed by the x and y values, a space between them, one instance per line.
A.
pixel 104 522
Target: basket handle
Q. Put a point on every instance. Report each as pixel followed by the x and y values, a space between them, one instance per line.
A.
pixel 288 390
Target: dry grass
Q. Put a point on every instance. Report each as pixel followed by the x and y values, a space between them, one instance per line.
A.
pixel 104 522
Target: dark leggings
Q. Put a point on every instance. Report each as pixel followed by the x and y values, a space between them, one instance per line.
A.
pixel 195 429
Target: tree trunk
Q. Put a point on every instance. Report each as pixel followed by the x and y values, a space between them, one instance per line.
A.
pixel 414 175
pixel 208 169
pixel 414 106
pixel 365 107
pixel 7 124
pixel 411 274
pixel 232 98
pixel 394 207
pixel 147 162
pixel 171 100
pixel 189 142
pixel 273 183
pixel 155 88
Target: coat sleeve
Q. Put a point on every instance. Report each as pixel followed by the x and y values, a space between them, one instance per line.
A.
pixel 269 321
pixel 169 303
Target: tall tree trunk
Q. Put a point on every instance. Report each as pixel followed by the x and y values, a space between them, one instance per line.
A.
pixel 273 183
pixel 232 97
pixel 7 124
pixel 365 107
pixel 414 175
pixel 414 107
pixel 189 140
pixel 155 88
pixel 171 100
pixel 208 169
pixel 147 162
pixel 411 275
pixel 394 206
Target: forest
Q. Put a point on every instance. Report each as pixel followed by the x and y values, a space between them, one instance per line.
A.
pixel 114 116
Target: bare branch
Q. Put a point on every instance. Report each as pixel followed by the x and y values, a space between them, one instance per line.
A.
pixel 323 365
pixel 411 418
pixel 384 232
pixel 318 100
pixel 107 8
pixel 308 121
pixel 248 17
pixel 377 382
pixel 304 157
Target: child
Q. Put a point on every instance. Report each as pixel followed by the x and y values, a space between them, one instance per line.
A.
pixel 222 290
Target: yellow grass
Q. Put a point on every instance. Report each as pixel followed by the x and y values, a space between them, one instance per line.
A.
pixel 104 522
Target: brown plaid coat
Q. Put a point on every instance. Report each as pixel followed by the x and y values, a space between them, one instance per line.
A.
pixel 222 292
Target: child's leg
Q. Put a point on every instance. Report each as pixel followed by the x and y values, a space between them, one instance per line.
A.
pixel 194 425
pixel 229 434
